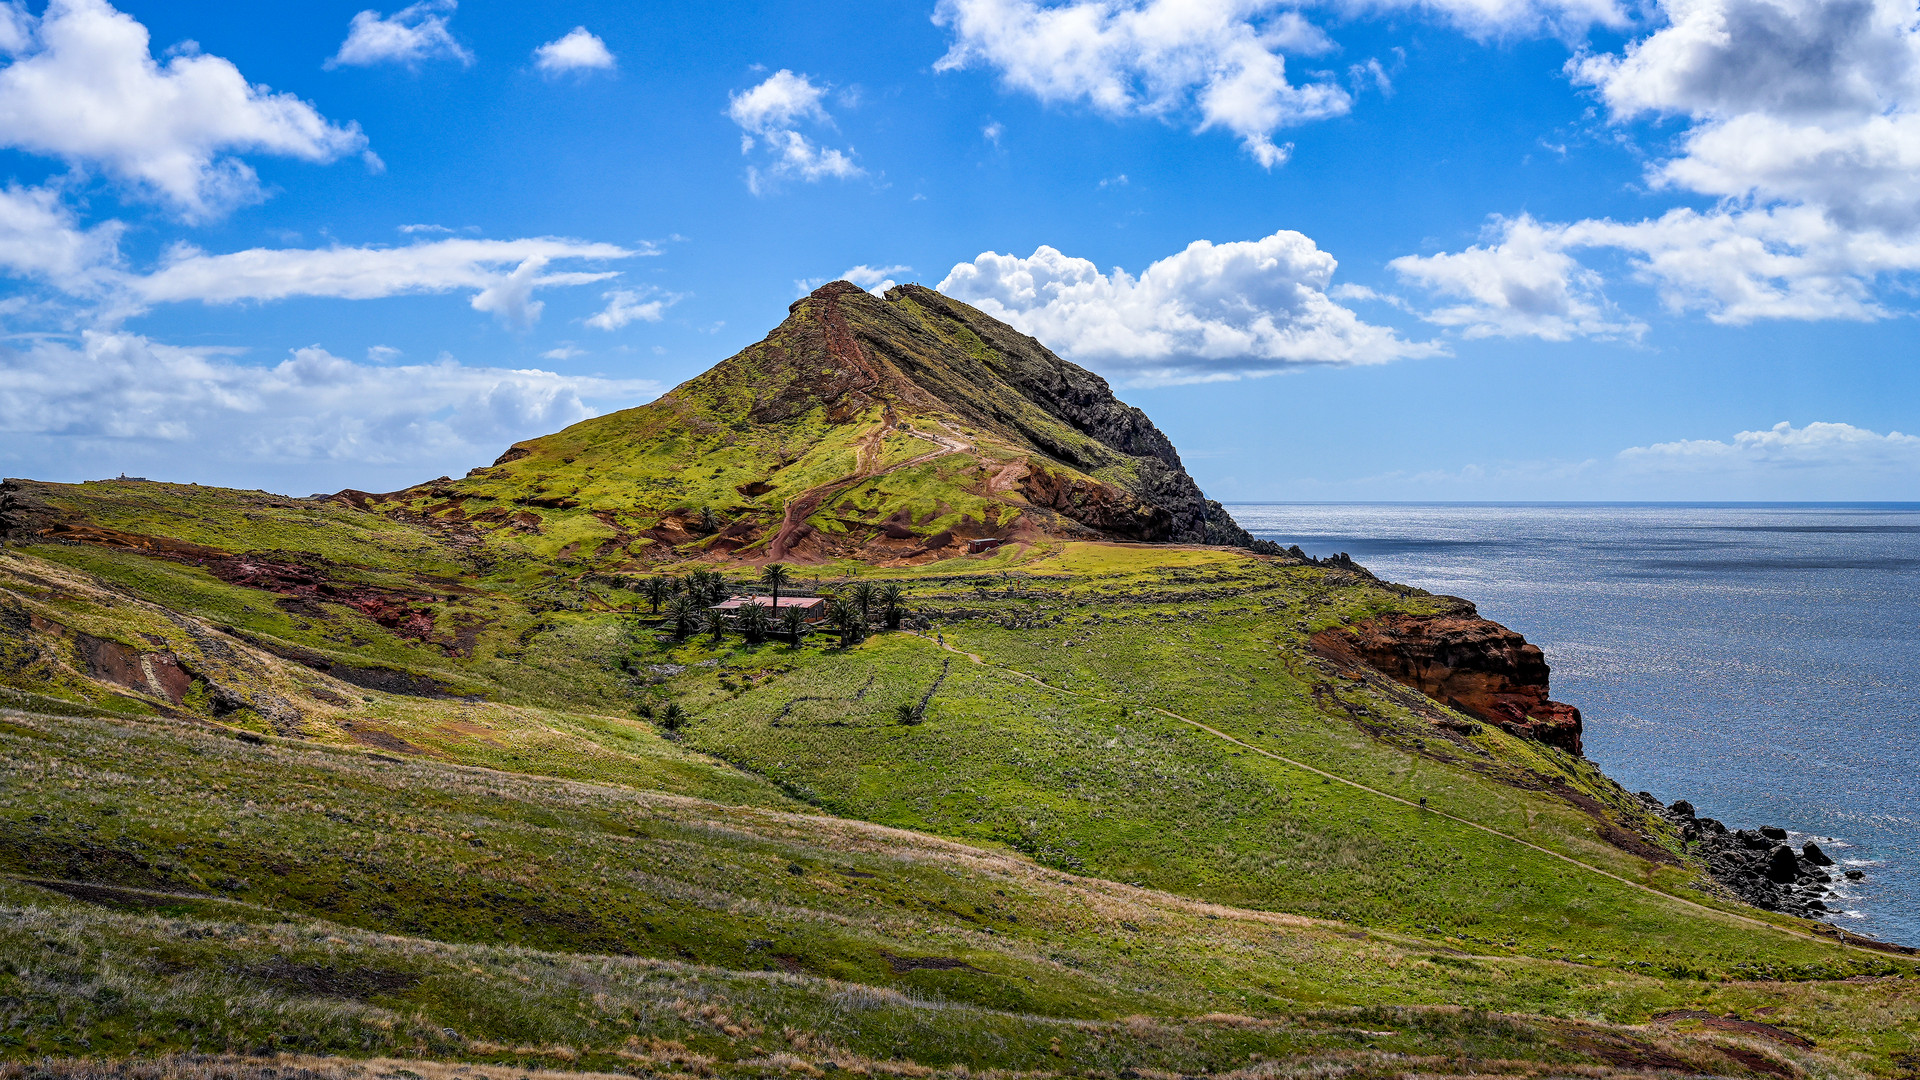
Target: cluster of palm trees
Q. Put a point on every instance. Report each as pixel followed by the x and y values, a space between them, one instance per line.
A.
pixel 851 614
pixel 690 598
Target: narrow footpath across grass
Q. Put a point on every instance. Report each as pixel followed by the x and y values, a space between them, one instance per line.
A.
pixel 1335 777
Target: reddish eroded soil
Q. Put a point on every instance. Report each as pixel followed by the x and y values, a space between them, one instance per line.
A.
pixel 1097 505
pixel 1463 661
pixel 1744 1027
pixel 156 673
pixel 397 611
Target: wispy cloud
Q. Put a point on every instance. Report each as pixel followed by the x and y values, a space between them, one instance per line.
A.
pixel 108 397
pixel 627 306
pixel 875 279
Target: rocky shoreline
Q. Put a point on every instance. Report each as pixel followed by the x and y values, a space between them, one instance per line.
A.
pixel 1758 865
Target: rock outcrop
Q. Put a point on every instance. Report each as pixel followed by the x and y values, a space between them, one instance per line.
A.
pixel 1759 866
pixel 1463 661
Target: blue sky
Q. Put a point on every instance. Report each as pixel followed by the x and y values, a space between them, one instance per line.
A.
pixel 1459 249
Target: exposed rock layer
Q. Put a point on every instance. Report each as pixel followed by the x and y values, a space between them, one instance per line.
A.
pixel 1463 661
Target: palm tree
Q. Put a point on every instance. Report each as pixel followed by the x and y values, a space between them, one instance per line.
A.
pixel 715 623
pixel 847 618
pixel 673 717
pixel 704 587
pixel 773 577
pixel 683 612
pixel 754 621
pixel 891 607
pixel 863 597
pixel 656 590
pixel 709 521
pixel 793 623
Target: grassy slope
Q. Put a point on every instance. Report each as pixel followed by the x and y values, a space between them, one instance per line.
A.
pixel 474 867
pixel 1082 775
pixel 1088 778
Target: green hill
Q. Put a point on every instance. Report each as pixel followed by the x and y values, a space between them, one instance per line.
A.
pixel 424 779
pixel 888 431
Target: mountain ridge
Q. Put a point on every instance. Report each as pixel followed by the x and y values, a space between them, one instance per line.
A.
pixel 892 429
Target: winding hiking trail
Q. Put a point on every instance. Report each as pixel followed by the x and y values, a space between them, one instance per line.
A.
pixel 866 466
pixel 1223 736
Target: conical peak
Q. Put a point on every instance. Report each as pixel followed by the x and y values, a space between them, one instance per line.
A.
pixel 895 427
pixel 831 290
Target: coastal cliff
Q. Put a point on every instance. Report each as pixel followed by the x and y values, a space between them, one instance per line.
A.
pixel 1465 662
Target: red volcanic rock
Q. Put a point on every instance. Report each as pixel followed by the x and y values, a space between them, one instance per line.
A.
pixel 1463 661
pixel 1100 506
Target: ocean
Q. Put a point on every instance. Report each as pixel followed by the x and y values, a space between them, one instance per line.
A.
pixel 1760 661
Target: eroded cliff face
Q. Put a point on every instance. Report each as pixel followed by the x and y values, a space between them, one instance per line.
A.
pixel 1463 661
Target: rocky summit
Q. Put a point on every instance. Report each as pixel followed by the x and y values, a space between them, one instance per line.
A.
pixel 895 430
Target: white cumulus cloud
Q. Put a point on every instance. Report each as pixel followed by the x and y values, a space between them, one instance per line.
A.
pixel 41 239
pixel 1805 101
pixel 1210 312
pixel 1802 119
pixel 782 100
pixel 579 50
pixel 1220 60
pixel 626 306
pixel 119 397
pixel 1521 284
pixel 1505 18
pixel 770 115
pixel 414 33
pixel 83 86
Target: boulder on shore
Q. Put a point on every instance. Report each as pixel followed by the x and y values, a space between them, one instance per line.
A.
pixel 1782 866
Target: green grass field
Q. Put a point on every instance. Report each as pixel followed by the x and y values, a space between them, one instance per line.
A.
pixel 1139 826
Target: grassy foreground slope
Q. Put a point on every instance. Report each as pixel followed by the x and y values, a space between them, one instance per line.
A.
pixel 287 858
pixel 180 890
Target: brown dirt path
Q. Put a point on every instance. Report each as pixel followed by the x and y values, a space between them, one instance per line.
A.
pixel 866 467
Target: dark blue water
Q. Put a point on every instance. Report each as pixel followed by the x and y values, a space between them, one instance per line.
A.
pixel 1762 662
